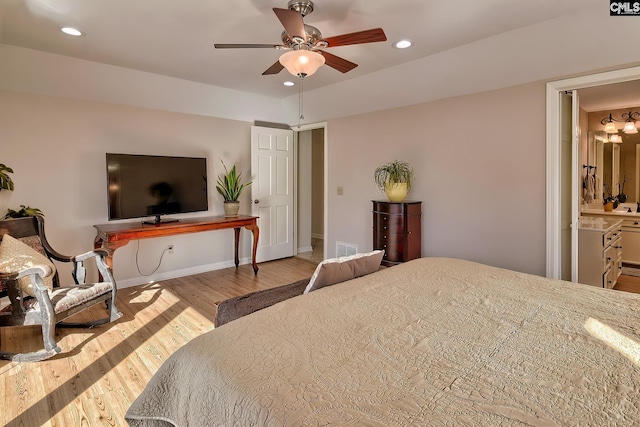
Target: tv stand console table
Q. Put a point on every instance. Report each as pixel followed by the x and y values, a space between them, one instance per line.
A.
pixel 114 236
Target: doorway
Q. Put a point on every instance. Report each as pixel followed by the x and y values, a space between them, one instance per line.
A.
pixel 556 163
pixel 311 194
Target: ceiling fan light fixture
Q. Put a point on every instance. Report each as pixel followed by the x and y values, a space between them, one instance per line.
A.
pixel 302 62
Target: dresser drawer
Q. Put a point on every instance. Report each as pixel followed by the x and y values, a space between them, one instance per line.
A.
pixel 393 253
pixel 609 278
pixel 392 208
pixel 631 223
pixel 383 223
pixel 611 236
pixel 387 218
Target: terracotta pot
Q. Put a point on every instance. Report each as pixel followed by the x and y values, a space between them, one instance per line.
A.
pixel 231 208
pixel 396 192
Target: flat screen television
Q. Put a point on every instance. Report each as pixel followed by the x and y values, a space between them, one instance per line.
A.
pixel 151 186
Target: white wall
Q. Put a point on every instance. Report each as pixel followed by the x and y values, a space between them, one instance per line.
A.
pixel 57 149
pixel 479 165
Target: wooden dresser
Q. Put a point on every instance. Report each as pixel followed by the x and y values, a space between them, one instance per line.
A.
pixel 396 229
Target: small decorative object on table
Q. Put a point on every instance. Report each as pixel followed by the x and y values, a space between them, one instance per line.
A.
pixel 230 187
pixel 394 179
pixel 609 201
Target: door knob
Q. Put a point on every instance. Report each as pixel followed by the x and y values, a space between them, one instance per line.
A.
pixel 256 201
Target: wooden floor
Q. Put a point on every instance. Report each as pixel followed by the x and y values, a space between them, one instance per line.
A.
pixel 628 284
pixel 102 370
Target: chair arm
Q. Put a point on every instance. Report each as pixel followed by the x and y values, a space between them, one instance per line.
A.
pixel 79 272
pixel 39 269
pixel 85 256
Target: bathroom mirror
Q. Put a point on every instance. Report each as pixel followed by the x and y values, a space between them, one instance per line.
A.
pixel 617 165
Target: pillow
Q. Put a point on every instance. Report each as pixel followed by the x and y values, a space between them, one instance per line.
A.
pixel 336 270
pixel 16 256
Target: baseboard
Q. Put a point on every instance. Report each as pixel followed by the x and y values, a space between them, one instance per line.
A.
pixel 135 281
pixel 317 236
pixel 305 249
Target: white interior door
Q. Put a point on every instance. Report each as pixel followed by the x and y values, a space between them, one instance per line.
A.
pixel 576 187
pixel 272 165
pixel 565 185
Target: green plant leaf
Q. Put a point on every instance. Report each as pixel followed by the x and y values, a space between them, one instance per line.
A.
pixel 393 172
pixel 5 180
pixel 24 211
pixel 229 184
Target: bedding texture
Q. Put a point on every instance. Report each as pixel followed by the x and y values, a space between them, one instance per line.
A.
pixel 432 342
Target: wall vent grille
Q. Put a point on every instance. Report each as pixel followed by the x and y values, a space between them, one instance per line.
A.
pixel 345 249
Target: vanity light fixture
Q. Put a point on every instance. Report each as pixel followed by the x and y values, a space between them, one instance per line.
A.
pixel 630 120
pixel 616 139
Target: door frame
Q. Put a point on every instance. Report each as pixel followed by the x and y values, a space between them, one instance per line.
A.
pixel 553 147
pixel 325 172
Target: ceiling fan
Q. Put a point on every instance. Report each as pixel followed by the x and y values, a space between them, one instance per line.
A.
pixel 304 43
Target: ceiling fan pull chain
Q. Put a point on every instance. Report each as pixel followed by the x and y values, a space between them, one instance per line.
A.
pixel 300 100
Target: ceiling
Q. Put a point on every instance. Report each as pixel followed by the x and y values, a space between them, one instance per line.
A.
pixel 610 97
pixel 175 38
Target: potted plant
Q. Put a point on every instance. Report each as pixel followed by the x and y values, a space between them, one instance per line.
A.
pixel 230 187
pixel 394 179
pixel 5 180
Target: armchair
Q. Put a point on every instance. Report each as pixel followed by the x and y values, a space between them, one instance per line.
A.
pixel 37 304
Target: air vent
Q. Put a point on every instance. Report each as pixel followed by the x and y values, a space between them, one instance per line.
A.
pixel 345 249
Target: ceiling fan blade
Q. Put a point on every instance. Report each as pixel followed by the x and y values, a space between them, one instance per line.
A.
pixel 292 22
pixel 338 63
pixel 242 46
pixel 274 69
pixel 366 36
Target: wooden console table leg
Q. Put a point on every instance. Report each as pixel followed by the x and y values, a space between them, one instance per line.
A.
pixel 256 234
pixel 98 243
pixel 237 232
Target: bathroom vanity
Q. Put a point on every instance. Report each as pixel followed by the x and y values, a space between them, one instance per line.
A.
pixel 630 227
pixel 600 250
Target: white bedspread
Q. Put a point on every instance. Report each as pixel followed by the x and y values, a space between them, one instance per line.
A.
pixel 432 342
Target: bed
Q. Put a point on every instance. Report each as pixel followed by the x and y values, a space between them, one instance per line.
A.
pixel 432 342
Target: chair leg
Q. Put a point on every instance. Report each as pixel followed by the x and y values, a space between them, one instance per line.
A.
pixel 50 346
pixel 114 313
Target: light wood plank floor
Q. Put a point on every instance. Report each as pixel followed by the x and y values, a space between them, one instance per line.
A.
pixel 102 370
pixel 628 284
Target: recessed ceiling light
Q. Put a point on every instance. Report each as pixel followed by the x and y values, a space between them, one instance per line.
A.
pixel 71 31
pixel 403 44
pixel 288 83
